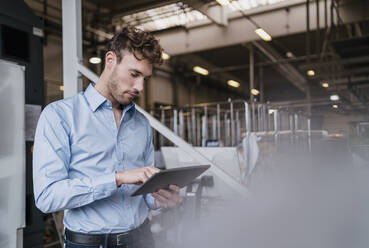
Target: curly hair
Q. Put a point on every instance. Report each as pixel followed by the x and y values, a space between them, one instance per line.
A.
pixel 142 44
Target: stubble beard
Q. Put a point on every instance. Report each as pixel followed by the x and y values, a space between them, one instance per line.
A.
pixel 115 91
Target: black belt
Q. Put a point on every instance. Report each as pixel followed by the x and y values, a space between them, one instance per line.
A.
pixel 111 238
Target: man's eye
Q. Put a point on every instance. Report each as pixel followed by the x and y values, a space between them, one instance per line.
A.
pixel 134 75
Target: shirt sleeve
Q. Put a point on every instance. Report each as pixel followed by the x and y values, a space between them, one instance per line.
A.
pixel 53 189
pixel 149 161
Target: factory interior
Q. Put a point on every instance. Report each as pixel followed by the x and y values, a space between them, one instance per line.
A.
pixel 272 94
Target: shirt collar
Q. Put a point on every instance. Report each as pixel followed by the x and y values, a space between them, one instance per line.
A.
pixel 95 99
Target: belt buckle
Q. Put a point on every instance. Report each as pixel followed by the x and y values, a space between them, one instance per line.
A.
pixel 120 237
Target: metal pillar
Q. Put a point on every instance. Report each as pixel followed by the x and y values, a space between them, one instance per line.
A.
pixel 309 133
pixel 218 122
pixel 193 126
pixel 189 130
pixel 181 124
pixel 175 121
pixel 252 83
pixel 72 46
pixel 205 126
pixel 232 124
pixel 238 128
pixel 261 84
pixel 214 127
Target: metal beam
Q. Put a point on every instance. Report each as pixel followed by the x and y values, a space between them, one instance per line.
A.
pixel 289 71
pixel 203 36
pixel 217 14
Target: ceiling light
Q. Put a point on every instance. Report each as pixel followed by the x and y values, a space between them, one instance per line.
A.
pixel 233 83
pixel 223 2
pixel 289 55
pixel 201 70
pixel 61 87
pixel 95 60
pixel 310 73
pixel 325 84
pixel 255 92
pixel 263 34
pixel 165 56
pixel 335 106
pixel 271 111
pixel 334 97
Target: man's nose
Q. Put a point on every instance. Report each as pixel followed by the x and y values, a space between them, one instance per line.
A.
pixel 139 85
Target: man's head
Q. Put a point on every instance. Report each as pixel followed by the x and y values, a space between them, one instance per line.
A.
pixel 129 60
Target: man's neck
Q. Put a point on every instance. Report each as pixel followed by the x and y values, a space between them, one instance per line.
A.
pixel 101 87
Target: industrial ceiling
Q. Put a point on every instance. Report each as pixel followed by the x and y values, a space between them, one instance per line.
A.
pixel 337 52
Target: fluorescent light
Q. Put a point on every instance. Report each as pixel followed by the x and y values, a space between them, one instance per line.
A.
pixel 310 73
pixel 223 2
pixel 233 83
pixel 61 87
pixel 334 97
pixel 325 84
pixel 95 60
pixel 201 70
pixel 255 92
pixel 165 56
pixel 263 34
pixel 335 106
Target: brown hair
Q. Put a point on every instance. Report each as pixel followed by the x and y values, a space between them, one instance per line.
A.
pixel 142 44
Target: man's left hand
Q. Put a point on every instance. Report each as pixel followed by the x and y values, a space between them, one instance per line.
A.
pixel 167 198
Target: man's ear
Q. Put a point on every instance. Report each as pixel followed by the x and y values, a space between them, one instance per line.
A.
pixel 110 59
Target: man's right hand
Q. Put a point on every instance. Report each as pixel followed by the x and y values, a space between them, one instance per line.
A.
pixel 135 176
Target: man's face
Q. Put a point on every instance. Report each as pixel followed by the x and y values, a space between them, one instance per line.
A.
pixel 127 78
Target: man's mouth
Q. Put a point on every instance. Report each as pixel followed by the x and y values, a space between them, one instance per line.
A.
pixel 132 95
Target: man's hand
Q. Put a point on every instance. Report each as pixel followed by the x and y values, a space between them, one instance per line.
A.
pixel 167 198
pixel 135 176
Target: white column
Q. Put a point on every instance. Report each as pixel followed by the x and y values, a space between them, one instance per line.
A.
pixel 72 46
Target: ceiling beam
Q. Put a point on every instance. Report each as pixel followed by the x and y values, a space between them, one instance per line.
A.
pixel 203 36
pixel 216 13
pixel 287 70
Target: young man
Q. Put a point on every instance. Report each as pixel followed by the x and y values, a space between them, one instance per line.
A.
pixel 93 149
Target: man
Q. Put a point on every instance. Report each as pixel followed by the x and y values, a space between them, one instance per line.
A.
pixel 93 149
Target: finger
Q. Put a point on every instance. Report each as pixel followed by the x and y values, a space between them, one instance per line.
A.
pixel 148 173
pixel 172 198
pixel 153 169
pixel 162 201
pixel 174 188
pixel 143 177
pixel 167 194
pixel 167 203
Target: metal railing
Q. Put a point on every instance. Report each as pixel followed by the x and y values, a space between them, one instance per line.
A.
pixel 227 123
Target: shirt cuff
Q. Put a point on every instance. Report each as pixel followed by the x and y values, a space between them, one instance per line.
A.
pixel 150 201
pixel 104 186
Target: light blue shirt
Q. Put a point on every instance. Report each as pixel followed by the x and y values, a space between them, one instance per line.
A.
pixel 77 150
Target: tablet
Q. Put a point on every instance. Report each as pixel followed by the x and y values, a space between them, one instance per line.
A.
pixel 178 176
